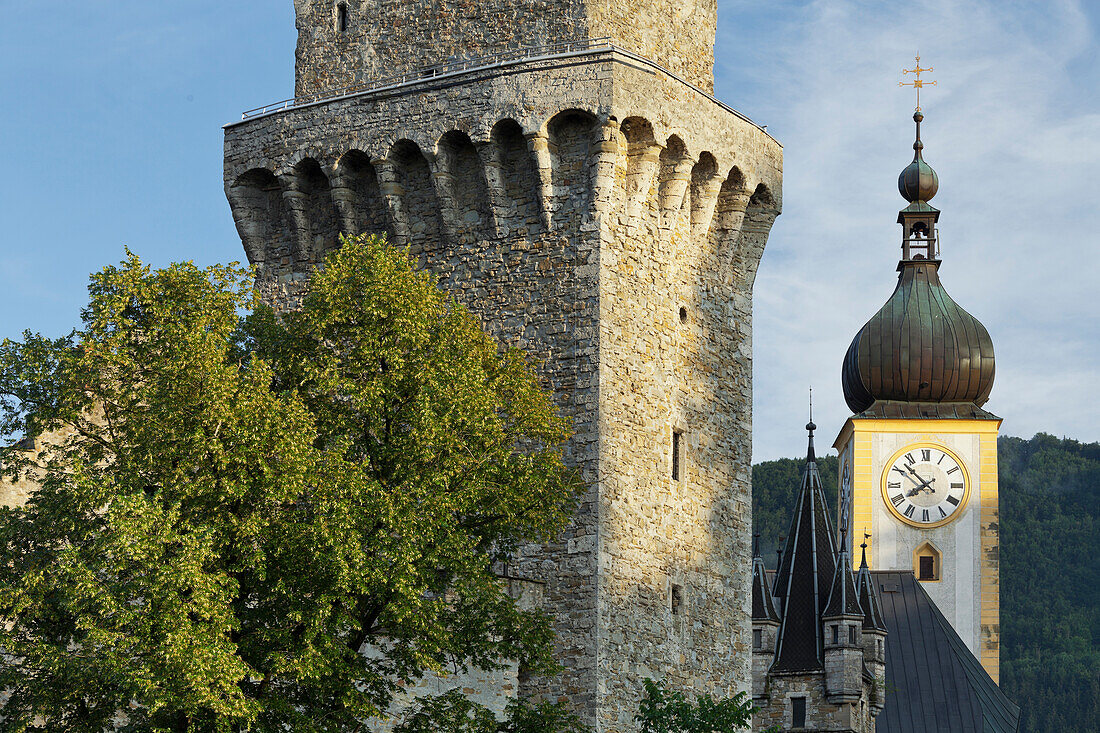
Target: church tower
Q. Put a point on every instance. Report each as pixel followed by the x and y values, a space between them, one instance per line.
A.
pixel 918 459
pixel 563 168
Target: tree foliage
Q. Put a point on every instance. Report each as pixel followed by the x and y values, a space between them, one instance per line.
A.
pixel 1050 581
pixel 1050 572
pixel 665 711
pixel 453 712
pixel 775 487
pixel 233 509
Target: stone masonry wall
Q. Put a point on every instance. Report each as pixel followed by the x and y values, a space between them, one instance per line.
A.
pixel 608 219
pixel 385 38
pixel 821 715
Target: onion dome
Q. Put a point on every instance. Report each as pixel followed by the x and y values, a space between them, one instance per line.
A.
pixel 918 182
pixel 921 346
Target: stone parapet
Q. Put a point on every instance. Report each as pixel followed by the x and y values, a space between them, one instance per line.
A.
pixel 347 42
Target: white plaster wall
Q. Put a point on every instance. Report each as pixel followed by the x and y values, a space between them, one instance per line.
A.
pixel 958 593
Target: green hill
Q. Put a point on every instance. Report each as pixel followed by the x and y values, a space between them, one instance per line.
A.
pixel 1050 571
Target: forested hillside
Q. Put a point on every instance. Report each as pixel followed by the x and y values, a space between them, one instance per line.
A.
pixel 1050 571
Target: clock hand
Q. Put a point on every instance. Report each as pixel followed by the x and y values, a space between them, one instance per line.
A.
pixel 923 483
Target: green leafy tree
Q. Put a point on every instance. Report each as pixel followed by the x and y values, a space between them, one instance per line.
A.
pixel 452 712
pixel 263 523
pixel 664 711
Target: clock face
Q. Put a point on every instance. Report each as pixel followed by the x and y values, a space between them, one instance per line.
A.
pixel 925 485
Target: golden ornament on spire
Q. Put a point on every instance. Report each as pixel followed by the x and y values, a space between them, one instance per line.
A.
pixel 917 82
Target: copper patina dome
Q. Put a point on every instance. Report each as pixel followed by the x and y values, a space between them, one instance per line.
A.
pixel 921 346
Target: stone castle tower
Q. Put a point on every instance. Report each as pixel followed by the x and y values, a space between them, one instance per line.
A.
pixel 563 168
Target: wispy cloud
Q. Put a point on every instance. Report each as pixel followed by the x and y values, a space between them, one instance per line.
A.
pixel 1013 128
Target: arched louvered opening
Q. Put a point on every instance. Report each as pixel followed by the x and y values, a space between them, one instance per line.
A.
pixel 570 137
pixel 516 167
pixel 259 212
pixel 464 182
pixel 358 196
pixel 321 218
pixel 419 202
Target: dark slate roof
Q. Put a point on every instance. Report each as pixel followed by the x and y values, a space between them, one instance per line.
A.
pixel 843 597
pixel 933 681
pixel 763 608
pixel 805 575
pixel 868 597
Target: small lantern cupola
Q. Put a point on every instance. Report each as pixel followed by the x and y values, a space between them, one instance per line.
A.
pixel 917 184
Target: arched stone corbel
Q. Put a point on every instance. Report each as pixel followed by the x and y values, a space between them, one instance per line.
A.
pixel 496 187
pixel 539 145
pixel 673 190
pixel 393 194
pixel 605 156
pixel 344 200
pixel 443 181
pixel 704 197
pixel 297 206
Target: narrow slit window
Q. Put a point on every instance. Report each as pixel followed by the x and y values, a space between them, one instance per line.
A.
pixel 757 639
pixel 677 448
pixel 836 634
pixel 342 17
pixel 798 712
pixel 852 635
pixel 676 600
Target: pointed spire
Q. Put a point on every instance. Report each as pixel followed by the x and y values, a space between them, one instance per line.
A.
pixel 804 575
pixel 811 457
pixel 779 553
pixel 763 605
pixel 868 595
pixel 843 597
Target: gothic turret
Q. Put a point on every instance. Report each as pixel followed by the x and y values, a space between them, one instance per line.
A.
pixel 802 581
pixel 842 624
pixel 873 633
pixel 817 676
pixel 921 347
pixel 765 622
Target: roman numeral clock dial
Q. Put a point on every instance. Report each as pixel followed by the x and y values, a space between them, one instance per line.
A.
pixel 925 486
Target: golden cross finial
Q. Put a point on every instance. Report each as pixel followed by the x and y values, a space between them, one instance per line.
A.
pixel 917 82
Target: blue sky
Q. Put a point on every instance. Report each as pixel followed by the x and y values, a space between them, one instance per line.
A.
pixel 111 131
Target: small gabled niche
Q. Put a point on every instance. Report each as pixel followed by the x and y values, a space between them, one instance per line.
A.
pixel 927 562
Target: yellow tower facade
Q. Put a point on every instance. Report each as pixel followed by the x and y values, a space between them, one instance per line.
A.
pixel 918 457
pixel 947 536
